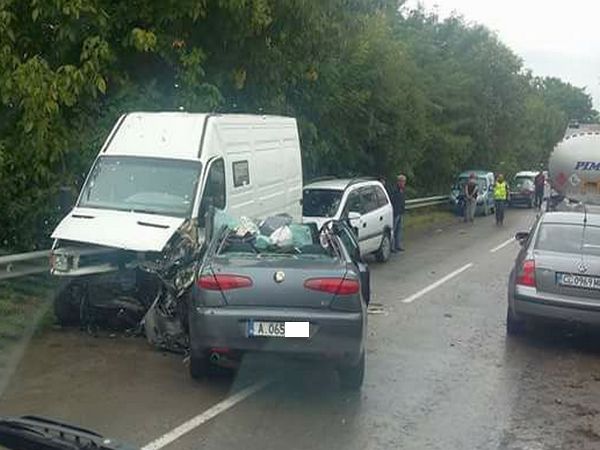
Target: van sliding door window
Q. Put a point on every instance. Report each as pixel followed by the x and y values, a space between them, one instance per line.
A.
pixel 241 173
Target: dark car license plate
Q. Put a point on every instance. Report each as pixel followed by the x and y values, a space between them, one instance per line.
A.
pixel 579 281
pixel 258 328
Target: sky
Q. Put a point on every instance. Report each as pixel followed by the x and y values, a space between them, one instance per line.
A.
pixel 553 37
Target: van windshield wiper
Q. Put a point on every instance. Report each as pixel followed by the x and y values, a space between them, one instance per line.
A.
pixel 32 432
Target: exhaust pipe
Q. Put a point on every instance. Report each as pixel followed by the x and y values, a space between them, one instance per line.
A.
pixel 223 357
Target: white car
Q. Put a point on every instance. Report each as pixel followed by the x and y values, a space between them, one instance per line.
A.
pixel 363 202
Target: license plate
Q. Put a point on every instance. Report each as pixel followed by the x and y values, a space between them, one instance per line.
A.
pixel 579 281
pixel 258 328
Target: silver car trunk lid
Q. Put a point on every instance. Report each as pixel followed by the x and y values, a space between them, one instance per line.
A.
pixel 551 268
pixel 278 281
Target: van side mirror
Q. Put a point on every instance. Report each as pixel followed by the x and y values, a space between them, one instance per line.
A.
pixel 522 237
pixel 66 199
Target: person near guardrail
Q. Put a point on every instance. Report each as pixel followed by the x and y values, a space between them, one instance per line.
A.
pixel 398 198
pixel 471 193
pixel 540 185
pixel 500 198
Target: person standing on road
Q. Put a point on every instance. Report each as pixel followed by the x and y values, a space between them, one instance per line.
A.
pixel 398 198
pixel 471 194
pixel 500 198
pixel 540 183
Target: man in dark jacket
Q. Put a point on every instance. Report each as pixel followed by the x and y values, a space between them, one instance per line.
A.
pixel 398 198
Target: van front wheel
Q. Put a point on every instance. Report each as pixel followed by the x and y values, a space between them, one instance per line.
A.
pixel 67 304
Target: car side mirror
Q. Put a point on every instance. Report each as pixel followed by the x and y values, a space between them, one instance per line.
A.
pixel 522 237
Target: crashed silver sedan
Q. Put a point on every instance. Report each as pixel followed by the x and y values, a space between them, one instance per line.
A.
pixel 304 299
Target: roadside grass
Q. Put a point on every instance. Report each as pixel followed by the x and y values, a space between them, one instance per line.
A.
pixel 20 303
pixel 419 220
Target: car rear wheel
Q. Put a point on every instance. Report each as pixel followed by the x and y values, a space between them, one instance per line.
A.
pixel 514 325
pixel 385 249
pixel 352 377
pixel 199 366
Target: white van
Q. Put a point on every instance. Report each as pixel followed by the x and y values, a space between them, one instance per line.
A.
pixel 144 200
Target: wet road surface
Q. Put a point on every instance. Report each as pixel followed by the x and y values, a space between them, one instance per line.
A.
pixel 441 373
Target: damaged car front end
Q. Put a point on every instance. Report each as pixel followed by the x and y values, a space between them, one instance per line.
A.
pixel 133 290
pixel 126 253
pixel 141 292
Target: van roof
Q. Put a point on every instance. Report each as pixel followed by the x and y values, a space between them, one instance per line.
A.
pixel 175 135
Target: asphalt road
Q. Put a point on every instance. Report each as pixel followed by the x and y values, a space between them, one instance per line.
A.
pixel 441 372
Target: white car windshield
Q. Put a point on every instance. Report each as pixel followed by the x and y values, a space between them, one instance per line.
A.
pixel 148 185
pixel 321 202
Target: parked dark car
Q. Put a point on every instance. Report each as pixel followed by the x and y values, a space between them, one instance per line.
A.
pixel 522 189
pixel 307 301
pixel 557 272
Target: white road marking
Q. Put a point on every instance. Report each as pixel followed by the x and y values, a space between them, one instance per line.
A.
pixel 501 246
pixel 204 417
pixel 438 283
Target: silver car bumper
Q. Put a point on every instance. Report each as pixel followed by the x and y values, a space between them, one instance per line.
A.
pixel 337 336
pixel 529 302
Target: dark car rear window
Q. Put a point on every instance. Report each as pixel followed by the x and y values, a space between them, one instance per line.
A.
pixel 569 238
pixel 305 242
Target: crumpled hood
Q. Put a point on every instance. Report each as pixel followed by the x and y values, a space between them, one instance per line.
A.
pixel 119 229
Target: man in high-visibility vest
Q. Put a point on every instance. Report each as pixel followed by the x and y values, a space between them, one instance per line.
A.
pixel 500 198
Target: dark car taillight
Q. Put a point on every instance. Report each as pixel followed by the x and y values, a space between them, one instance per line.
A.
pixel 526 274
pixel 223 282
pixel 337 286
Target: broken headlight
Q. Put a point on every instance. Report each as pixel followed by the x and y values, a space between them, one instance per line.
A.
pixel 64 262
pixel 60 262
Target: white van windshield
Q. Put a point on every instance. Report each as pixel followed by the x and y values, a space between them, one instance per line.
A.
pixel 138 184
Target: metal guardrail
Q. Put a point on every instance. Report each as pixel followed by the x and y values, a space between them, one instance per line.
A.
pixel 32 263
pixel 22 264
pixel 416 203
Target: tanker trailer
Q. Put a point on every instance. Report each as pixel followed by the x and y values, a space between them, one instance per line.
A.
pixel 574 169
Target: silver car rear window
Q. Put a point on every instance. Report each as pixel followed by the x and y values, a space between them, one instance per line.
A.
pixel 569 238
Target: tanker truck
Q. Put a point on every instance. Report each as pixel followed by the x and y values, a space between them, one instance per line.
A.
pixel 574 170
